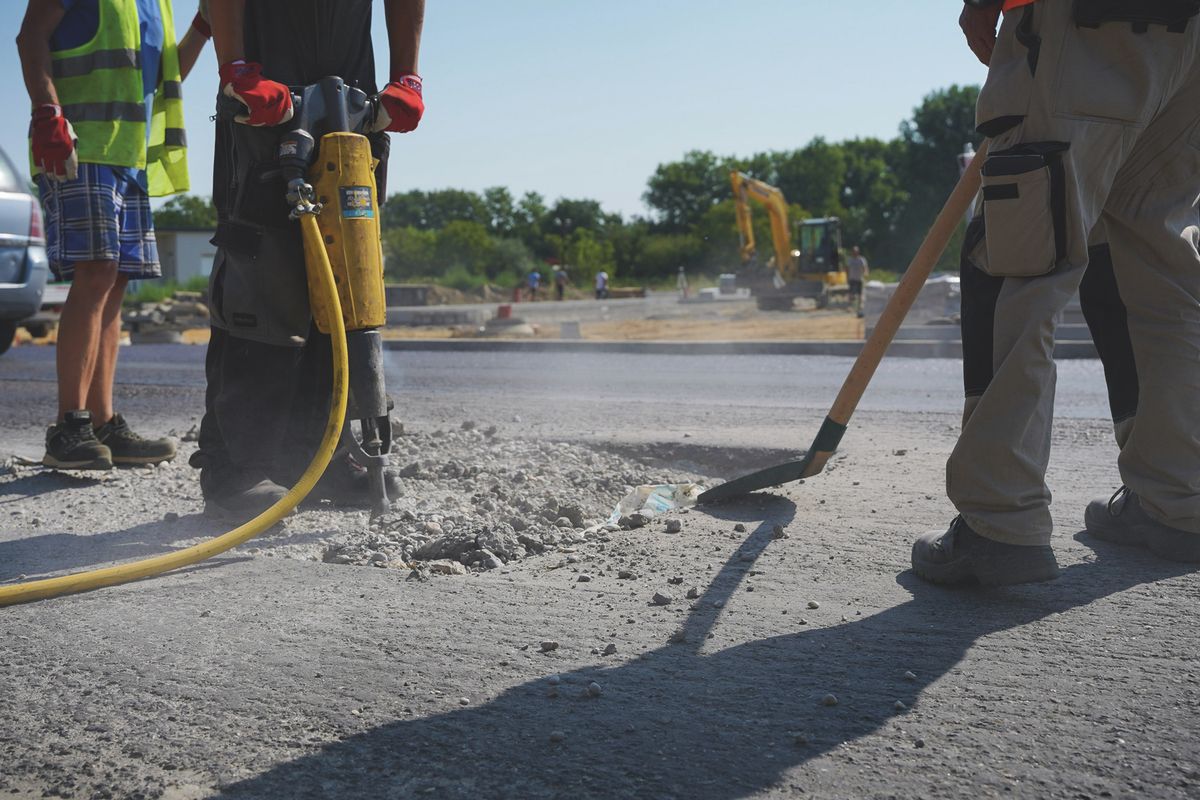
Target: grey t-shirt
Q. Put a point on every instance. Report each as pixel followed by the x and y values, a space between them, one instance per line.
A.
pixel 856 268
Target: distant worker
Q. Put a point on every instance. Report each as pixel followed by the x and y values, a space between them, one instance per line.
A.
pixel 533 283
pixel 560 282
pixel 681 283
pixel 1080 157
pixel 601 285
pixel 857 271
pixel 106 135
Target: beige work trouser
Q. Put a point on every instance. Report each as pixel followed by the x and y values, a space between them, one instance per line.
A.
pixel 1109 131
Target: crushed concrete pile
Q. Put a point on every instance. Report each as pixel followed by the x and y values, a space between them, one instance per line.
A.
pixel 474 501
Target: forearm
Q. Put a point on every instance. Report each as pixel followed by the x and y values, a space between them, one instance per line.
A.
pixel 33 46
pixel 190 47
pixel 405 18
pixel 227 18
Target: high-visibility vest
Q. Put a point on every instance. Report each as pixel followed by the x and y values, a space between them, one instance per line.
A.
pixel 99 86
pixel 1009 5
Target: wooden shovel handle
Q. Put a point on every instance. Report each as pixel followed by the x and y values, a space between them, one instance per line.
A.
pixel 910 286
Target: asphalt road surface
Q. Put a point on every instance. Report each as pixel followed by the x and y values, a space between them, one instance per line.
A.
pixel 814 665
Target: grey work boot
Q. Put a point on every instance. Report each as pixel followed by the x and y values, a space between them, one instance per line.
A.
pixel 1122 520
pixel 962 556
pixel 238 496
pixel 72 444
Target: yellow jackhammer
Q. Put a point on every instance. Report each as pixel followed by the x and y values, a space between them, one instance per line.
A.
pixel 330 172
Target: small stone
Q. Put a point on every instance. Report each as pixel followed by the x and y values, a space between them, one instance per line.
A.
pixel 661 599
pixel 468 425
pixel 693 593
pixel 563 522
pixel 777 532
pixel 610 649
pixel 739 528
pixel 800 740
pixel 679 637
pixel 919 743
pixel 447 567
pixel 583 578
pixel 202 613
pixel 462 701
pixel 549 646
pixel 626 574
pixel 910 676
pixel 829 700
pixel 554 680
pixel 803 621
pixel 675 581
pixel 674 525
pixel 432 528
pixel 170 516
pixel 899 705
pixel 556 737
pixel 899 452
pixel 813 604
pixel 594 689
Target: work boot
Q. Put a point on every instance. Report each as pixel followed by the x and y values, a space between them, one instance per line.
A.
pixel 129 448
pixel 347 483
pixel 72 444
pixel 1122 520
pixel 236 495
pixel 962 556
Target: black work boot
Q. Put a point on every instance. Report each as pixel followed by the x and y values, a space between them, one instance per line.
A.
pixel 237 495
pixel 72 444
pixel 1121 519
pixel 347 483
pixel 962 556
pixel 129 448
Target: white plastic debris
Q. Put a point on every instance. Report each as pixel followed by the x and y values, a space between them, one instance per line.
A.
pixel 652 500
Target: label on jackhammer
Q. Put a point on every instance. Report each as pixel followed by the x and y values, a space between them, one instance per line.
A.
pixel 356 202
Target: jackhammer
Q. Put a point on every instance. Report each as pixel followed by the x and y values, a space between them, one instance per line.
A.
pixel 327 164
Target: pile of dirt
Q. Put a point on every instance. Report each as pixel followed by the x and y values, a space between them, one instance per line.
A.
pixel 474 501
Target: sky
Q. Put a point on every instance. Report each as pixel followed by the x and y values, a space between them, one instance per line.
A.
pixel 584 99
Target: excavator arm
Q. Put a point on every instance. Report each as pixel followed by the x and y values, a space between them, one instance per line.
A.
pixel 746 189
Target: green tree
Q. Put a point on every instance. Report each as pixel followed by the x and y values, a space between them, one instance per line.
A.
pixel 813 176
pixel 502 211
pixel 464 245
pixel 186 211
pixel 408 253
pixel 434 210
pixel 682 191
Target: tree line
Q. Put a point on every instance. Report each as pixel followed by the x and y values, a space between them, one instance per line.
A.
pixel 885 192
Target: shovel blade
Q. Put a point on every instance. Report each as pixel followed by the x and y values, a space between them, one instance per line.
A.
pixel 763 479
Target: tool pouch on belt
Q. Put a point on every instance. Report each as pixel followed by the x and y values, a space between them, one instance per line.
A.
pixel 1141 14
pixel 1024 210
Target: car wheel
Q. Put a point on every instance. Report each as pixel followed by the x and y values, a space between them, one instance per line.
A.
pixel 38 330
pixel 8 329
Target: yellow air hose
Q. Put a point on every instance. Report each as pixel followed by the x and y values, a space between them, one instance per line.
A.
pixel 124 573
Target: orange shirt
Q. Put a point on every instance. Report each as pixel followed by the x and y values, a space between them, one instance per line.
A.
pixel 1009 5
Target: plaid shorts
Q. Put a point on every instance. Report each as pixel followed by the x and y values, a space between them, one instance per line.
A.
pixel 101 215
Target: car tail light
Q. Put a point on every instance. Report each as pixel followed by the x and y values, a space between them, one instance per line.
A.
pixel 36 232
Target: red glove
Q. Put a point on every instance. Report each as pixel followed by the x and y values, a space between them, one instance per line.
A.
pixel 400 105
pixel 52 140
pixel 268 102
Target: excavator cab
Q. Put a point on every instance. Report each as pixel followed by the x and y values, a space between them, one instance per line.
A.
pixel 820 246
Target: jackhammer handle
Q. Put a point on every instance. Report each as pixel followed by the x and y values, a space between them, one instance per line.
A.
pixel 906 292
pixel 230 108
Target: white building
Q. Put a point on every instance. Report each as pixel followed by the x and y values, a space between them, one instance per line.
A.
pixel 185 253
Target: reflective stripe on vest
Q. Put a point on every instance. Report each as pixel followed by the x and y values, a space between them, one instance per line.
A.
pixel 99 85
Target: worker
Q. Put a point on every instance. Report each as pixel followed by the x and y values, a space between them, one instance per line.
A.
pixel 534 282
pixel 681 283
pixel 1067 152
pixel 106 134
pixel 560 283
pixel 857 271
pixel 268 368
pixel 602 285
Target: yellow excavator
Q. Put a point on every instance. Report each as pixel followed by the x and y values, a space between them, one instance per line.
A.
pixel 814 270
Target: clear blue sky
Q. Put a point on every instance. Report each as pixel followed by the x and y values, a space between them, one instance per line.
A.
pixel 583 99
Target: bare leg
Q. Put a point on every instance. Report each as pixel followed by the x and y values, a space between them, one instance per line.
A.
pixel 79 332
pixel 100 390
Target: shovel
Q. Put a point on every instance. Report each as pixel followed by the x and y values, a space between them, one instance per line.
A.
pixel 830 434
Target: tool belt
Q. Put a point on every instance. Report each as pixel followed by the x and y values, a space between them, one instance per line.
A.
pixel 1141 14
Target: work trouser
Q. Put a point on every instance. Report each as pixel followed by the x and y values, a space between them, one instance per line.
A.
pixel 1107 322
pixel 1088 125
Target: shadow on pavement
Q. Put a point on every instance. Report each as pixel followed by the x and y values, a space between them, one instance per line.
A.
pixel 680 722
pixel 44 482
